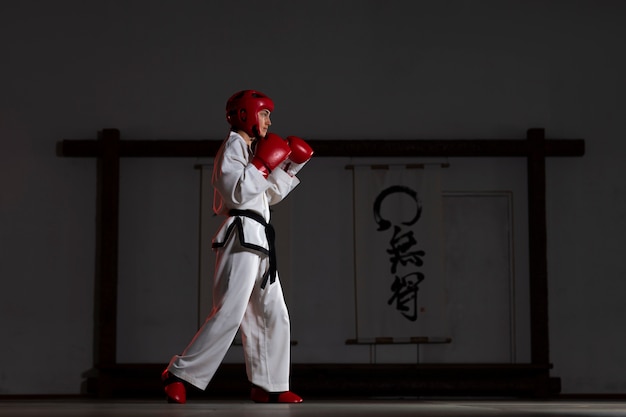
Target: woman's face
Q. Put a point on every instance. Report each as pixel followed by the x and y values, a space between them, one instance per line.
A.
pixel 264 122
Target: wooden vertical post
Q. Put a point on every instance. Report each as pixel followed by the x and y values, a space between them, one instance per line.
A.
pixel 537 237
pixel 107 230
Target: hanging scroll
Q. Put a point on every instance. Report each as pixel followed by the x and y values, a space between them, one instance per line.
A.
pixel 400 286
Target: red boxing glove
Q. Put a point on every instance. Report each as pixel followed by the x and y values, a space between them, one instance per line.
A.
pixel 301 152
pixel 270 152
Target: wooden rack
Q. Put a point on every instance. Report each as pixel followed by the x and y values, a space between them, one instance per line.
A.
pixel 108 378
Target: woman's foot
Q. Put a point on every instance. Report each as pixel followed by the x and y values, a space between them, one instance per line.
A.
pixel 174 388
pixel 259 395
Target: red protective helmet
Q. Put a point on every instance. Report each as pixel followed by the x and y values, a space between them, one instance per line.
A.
pixel 242 110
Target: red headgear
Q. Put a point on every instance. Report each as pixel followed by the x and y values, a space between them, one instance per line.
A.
pixel 242 110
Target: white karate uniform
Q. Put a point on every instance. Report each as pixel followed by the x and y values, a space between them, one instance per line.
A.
pixel 241 263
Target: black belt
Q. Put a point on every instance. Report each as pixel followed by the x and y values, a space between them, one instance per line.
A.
pixel 270 234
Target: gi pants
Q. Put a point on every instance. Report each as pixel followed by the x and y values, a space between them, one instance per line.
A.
pixel 240 302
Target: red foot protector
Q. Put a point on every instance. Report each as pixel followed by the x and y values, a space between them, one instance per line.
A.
pixel 174 388
pixel 259 395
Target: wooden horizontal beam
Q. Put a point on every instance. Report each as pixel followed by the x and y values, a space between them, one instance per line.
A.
pixel 337 148
pixel 345 381
pixel 414 340
pixel 448 147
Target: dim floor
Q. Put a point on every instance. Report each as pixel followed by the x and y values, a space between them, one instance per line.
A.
pixel 335 408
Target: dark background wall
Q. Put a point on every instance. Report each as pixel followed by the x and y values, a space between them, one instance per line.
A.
pixel 337 70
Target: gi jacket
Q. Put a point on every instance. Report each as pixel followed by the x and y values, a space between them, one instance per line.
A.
pixel 240 185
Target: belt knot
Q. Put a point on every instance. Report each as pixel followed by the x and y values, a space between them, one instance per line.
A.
pixel 270 234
